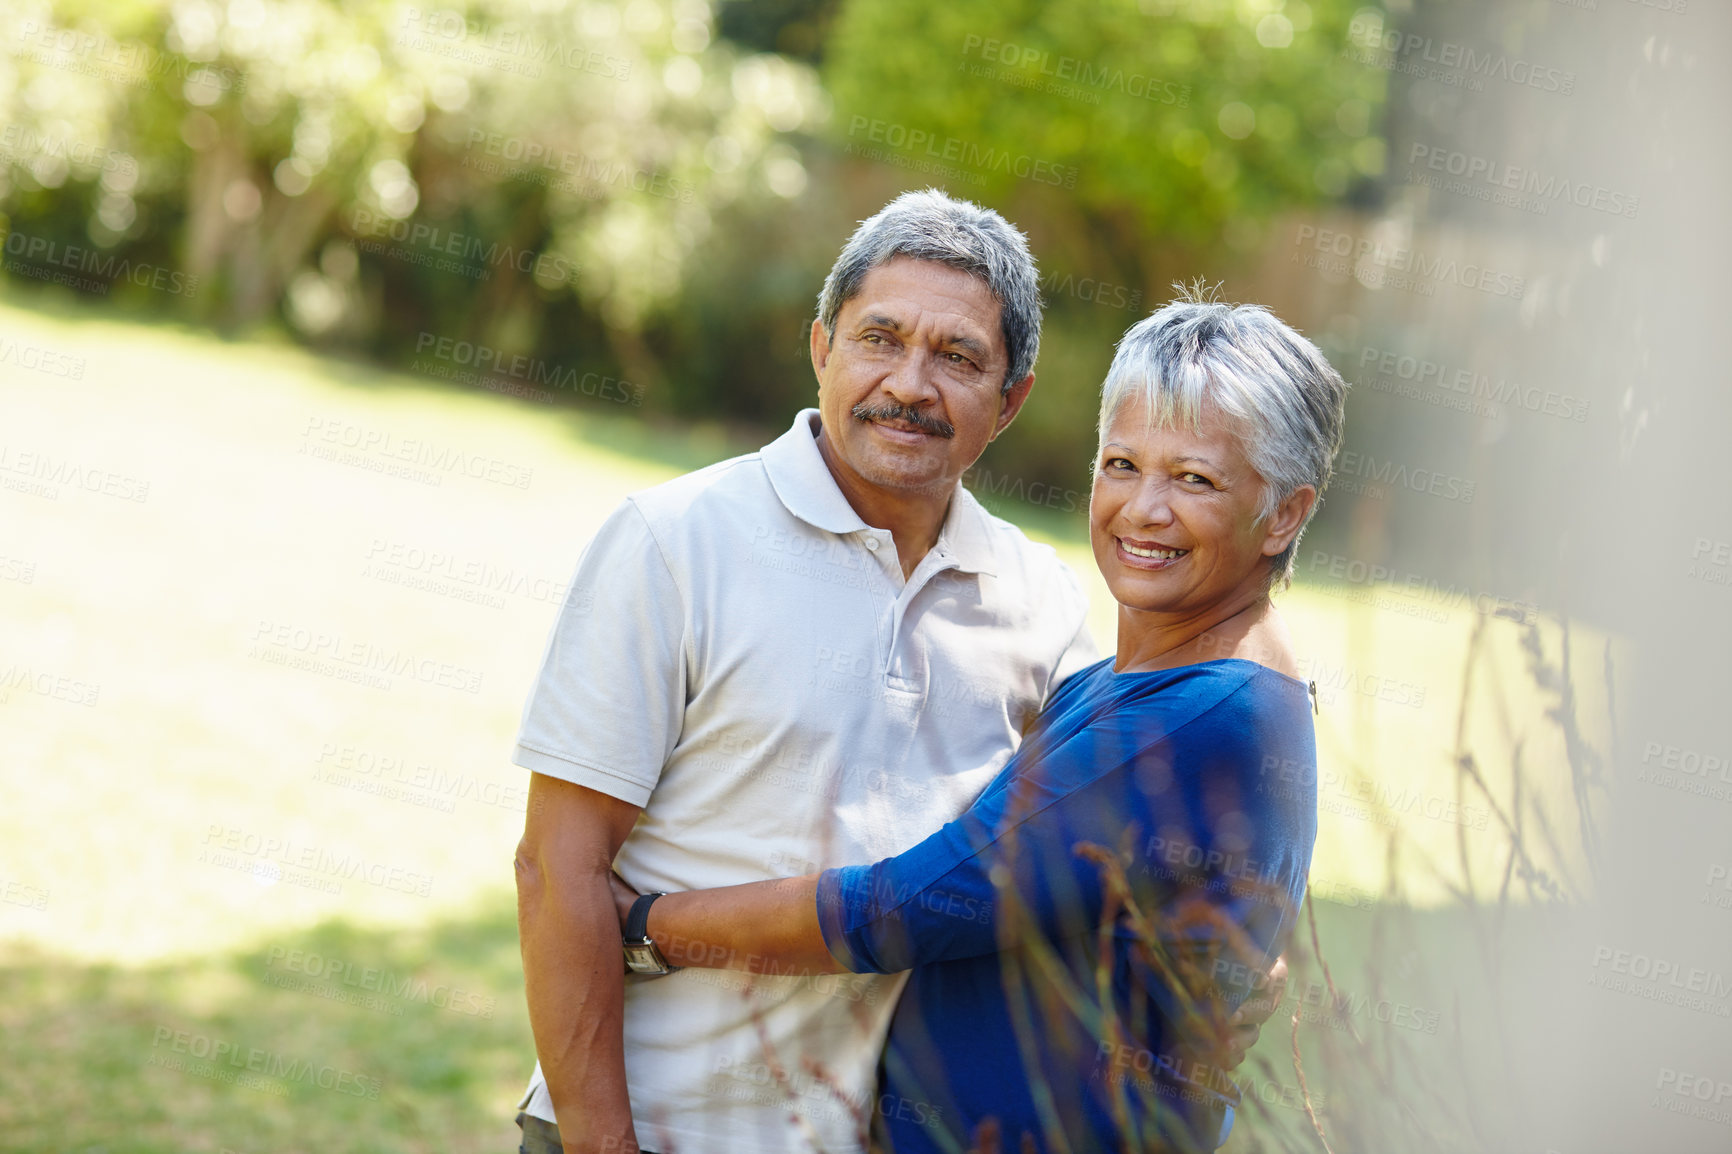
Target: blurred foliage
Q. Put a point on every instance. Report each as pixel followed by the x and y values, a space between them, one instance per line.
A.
pixel 653 189
pixel 320 158
pixel 1163 122
pixel 797 28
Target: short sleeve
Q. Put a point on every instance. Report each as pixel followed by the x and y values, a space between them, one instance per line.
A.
pixel 607 707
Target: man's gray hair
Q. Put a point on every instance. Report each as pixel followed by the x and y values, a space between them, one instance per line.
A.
pixel 932 226
pixel 1285 401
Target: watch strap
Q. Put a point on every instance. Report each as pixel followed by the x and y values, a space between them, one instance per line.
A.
pixel 637 921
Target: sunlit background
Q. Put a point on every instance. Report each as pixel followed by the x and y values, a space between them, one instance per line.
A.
pixel 329 332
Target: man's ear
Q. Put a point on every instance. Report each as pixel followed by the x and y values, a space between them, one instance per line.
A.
pixel 1013 402
pixel 820 349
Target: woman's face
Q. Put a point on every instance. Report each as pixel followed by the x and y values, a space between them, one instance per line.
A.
pixel 1173 517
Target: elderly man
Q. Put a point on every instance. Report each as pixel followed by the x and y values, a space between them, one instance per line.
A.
pixel 812 655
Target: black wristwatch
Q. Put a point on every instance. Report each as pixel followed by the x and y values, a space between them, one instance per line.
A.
pixel 641 954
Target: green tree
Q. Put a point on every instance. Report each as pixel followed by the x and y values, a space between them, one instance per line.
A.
pixel 1165 123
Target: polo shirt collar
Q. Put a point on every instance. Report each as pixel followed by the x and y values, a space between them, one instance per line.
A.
pixel 803 483
pixel 965 537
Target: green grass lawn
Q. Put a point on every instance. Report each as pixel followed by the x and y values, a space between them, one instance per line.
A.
pixel 222 508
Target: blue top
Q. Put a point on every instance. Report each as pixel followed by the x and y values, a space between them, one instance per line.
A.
pixel 1202 782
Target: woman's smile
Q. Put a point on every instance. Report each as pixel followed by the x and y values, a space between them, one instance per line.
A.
pixel 1148 554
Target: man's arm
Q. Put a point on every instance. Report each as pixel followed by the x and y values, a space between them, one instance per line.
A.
pixel 572 964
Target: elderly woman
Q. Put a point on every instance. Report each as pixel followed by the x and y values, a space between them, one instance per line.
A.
pixel 1076 941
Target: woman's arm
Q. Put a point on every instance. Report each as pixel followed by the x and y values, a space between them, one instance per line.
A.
pixel 1167 789
pixel 936 901
pixel 1009 867
pixel 762 928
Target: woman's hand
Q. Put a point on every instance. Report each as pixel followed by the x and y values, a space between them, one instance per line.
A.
pixel 1247 1021
pixel 623 897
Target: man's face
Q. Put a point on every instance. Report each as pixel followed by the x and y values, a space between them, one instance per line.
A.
pixel 910 390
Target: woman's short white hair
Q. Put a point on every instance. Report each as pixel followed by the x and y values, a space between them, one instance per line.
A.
pixel 1275 388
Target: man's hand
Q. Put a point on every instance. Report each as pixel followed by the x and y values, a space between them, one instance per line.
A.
pixel 1246 1024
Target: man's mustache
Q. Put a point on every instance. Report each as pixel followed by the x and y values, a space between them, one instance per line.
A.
pixel 930 425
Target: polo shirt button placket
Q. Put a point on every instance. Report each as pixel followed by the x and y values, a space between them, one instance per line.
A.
pixel 890 627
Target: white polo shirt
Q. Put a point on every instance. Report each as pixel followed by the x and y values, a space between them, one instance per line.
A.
pixel 740 656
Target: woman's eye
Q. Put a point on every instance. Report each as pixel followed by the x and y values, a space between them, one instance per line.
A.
pixel 1117 463
pixel 1195 479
